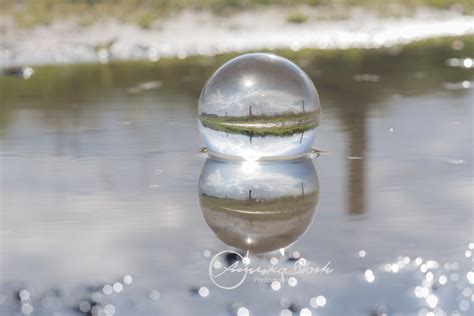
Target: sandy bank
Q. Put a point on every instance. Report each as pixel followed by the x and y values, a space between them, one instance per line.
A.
pixel 192 33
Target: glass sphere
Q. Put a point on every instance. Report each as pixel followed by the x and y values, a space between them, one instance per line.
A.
pixel 259 105
pixel 259 207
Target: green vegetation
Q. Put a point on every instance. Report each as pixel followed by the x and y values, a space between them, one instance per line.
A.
pixel 146 20
pixel 297 17
pixel 278 208
pixel 28 13
pixel 287 124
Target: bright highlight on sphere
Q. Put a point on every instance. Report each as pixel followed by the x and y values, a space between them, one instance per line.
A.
pixel 259 105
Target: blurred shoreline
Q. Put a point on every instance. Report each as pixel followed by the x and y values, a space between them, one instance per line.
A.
pixel 191 33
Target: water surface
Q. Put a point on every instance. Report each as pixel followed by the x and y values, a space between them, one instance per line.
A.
pixel 99 179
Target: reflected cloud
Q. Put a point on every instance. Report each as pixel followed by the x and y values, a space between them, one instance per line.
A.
pixel 263 101
pixel 259 207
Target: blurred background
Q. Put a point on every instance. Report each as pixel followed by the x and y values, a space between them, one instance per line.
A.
pixel 49 31
pixel 100 156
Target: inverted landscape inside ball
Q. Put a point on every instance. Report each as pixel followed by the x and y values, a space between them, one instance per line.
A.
pixel 259 105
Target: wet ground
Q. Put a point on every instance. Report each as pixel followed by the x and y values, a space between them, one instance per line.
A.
pixel 100 209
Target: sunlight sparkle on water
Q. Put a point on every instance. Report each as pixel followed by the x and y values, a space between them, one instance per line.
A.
pixel 84 306
pixel 432 300
pixel 96 297
pixel 286 312
pixel 423 268
pixel 203 291
pixel 27 309
pixel 395 268
pixel 467 63
pixel 421 291
pixel 118 287
pixel 24 295
pixel 155 295
pixel 470 277
pixel 429 276
pixel 369 275
pixel 467 291
pixel 443 279
pixel 464 305
pixel 217 265
pixel 431 264
pixel 128 279
pixel 243 311
pixel 292 281
pixel 109 309
pixel 275 285
pixel 318 301
pixel 108 289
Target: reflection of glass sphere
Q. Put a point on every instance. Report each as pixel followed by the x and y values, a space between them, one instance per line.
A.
pixel 259 105
pixel 259 207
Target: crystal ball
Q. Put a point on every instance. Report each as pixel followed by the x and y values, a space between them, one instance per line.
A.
pixel 259 105
pixel 259 207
